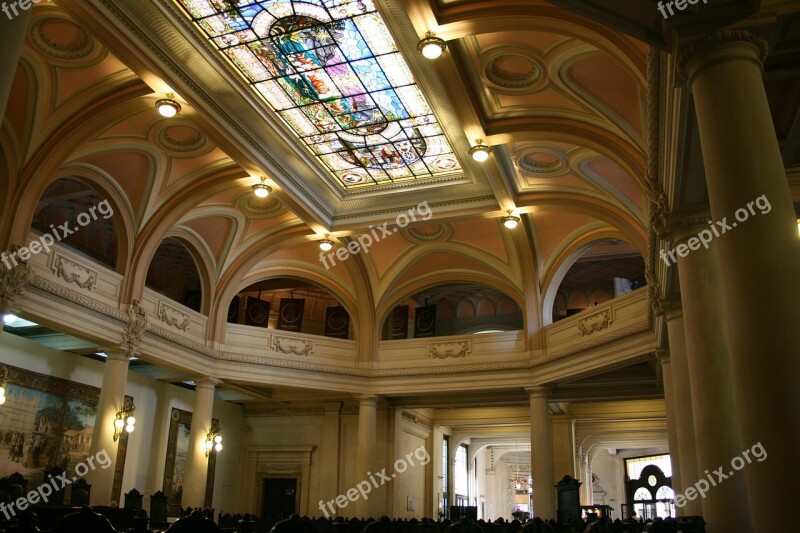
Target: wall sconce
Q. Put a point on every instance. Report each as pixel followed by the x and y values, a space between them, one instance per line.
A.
pixel 213 441
pixel 124 421
pixel 480 152
pixel 2 392
pixel 510 221
pixel 431 46
pixel 325 244
pixel 168 107
pixel 262 190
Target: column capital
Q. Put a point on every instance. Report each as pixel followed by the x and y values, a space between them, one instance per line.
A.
pixel 540 391
pixel 206 382
pixel 673 307
pixel 663 357
pixel 726 45
pixel 683 225
pixel 367 399
pixel 117 354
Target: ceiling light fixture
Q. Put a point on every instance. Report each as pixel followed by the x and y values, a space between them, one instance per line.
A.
pixel 325 244
pixel 510 221
pixel 431 46
pixel 480 152
pixel 262 190
pixel 168 107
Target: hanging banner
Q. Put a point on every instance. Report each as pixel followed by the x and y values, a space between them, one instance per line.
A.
pixel 425 321
pixel 399 324
pixel 233 311
pixel 290 315
pixel 337 322
pixel 256 313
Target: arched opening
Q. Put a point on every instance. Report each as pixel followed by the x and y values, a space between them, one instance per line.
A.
pixel 173 272
pixel 604 271
pixel 78 216
pixel 453 309
pixel 292 305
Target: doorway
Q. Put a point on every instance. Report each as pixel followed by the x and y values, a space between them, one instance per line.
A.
pixel 280 497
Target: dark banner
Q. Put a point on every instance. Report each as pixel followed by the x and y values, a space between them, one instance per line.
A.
pixel 399 323
pixel 337 322
pixel 233 311
pixel 256 313
pixel 425 321
pixel 290 316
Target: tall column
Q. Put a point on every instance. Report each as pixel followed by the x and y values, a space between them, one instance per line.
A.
pixel 716 424
pixel 194 481
pixel 328 481
pixel 672 429
pixel 12 35
pixel 365 454
pixel 112 396
pixel 451 474
pixel 759 256
pixel 544 491
pixel 683 403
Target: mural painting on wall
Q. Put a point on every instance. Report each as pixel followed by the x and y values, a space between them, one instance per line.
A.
pixel 47 422
pixel 176 461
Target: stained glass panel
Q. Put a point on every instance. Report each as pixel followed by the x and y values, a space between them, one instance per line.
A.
pixel 333 73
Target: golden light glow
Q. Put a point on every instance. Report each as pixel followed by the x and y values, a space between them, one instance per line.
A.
pixel 431 46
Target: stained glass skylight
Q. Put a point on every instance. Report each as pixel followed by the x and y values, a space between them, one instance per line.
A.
pixel 332 71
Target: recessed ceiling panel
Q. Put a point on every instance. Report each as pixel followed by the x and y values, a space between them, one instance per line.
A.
pixel 332 71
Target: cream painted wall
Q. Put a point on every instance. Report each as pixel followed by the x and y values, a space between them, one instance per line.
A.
pixel 147 445
pixel 610 471
pixel 411 482
pixel 307 430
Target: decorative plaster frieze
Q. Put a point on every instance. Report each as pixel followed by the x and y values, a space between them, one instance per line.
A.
pixel 418 419
pixel 59 291
pixel 173 317
pixel 596 322
pixel 290 346
pixel 284 411
pixel 12 281
pixel 73 272
pixel 135 328
pixel 443 350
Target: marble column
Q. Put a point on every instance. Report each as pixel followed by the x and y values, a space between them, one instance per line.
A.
pixel 194 481
pixel 672 422
pixel 12 34
pixel 683 403
pixel 544 491
pixel 111 401
pixel 716 430
pixel 759 258
pixel 365 454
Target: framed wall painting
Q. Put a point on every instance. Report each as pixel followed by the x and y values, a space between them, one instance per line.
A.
pixel 175 463
pixel 48 422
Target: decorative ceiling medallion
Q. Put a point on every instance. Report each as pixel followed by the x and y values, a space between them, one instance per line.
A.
pixel 60 38
pixel 331 70
pixel 182 139
pixel 543 162
pixel 255 207
pixel 513 70
pixel 428 233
